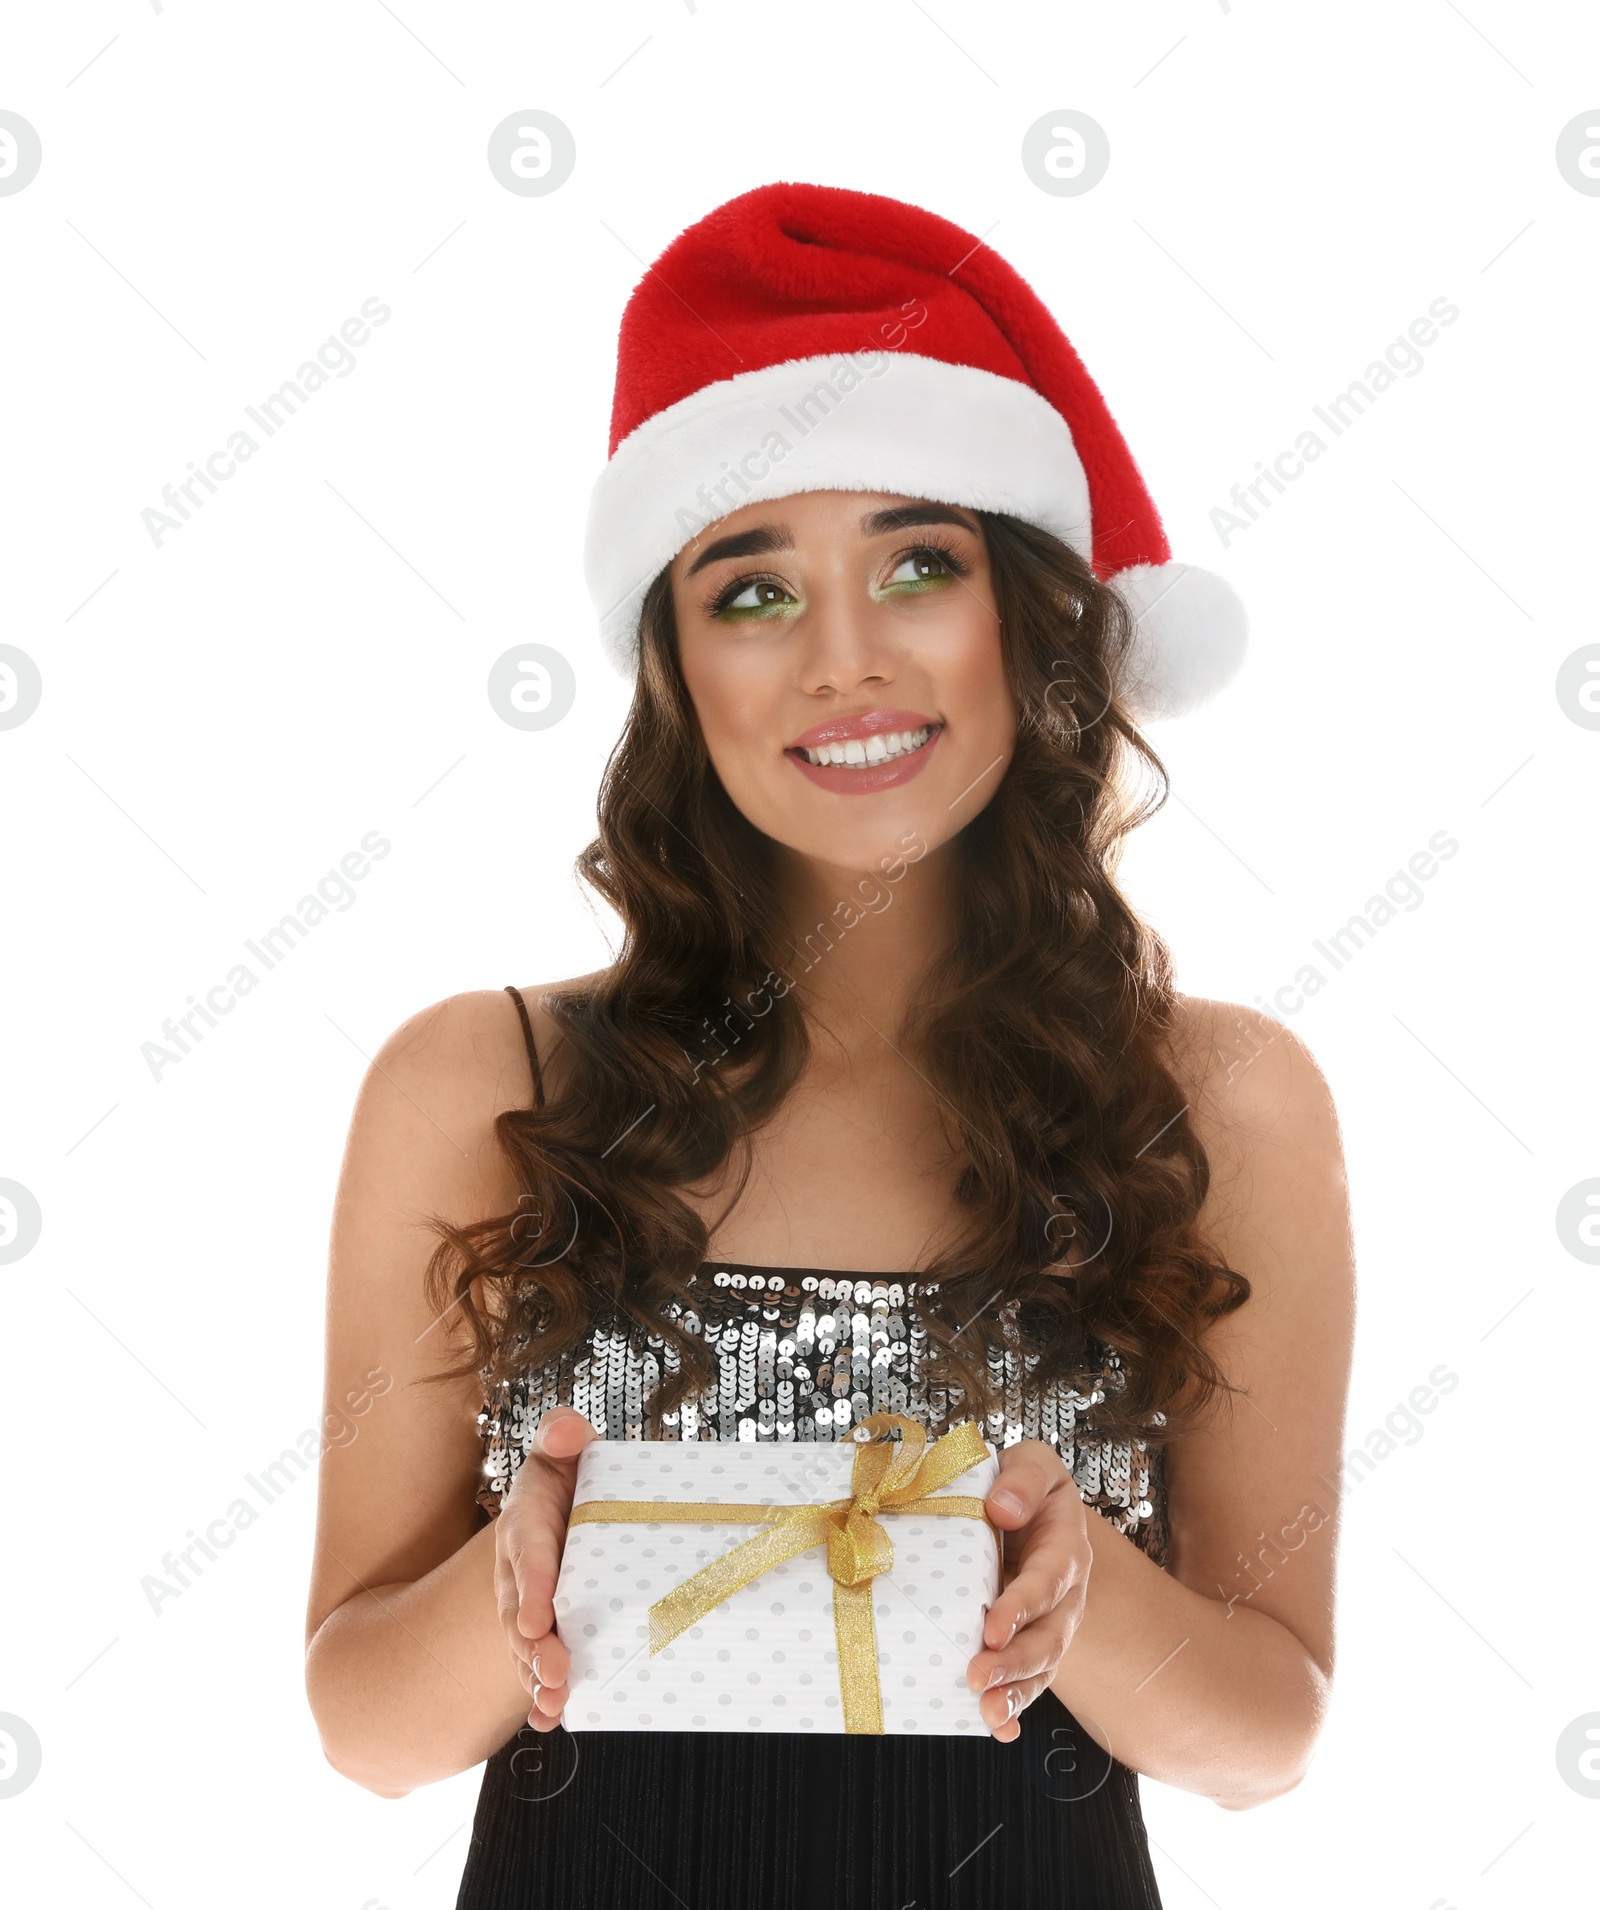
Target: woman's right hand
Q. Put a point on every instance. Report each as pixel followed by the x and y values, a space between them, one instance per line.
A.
pixel 530 1533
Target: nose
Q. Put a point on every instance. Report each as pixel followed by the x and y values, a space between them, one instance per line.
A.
pixel 845 647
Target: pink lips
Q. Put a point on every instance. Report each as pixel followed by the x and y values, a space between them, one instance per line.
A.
pixel 867 781
pixel 845 729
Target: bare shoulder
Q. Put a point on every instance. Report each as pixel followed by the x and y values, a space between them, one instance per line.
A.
pixel 462 1060
pixel 456 1062
pixel 423 1147
pixel 423 1131
pixel 1258 1100
pixel 1238 1066
pixel 546 1031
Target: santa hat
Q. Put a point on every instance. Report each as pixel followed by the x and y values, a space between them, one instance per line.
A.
pixel 809 338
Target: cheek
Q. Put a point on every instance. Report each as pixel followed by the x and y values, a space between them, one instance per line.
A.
pixel 973 682
pixel 735 706
pixel 711 690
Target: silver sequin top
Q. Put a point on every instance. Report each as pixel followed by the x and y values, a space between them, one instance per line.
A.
pixel 806 1357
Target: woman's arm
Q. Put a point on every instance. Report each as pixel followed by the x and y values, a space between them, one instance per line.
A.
pixel 407 1669
pixel 1213 1675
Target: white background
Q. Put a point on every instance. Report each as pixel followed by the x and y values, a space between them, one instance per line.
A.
pixel 224 717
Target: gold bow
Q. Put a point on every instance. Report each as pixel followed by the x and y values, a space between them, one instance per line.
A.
pixel 885 1478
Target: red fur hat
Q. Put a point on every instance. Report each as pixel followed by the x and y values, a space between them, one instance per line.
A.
pixel 806 338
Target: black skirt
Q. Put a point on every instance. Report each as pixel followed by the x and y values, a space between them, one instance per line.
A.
pixel 646 1820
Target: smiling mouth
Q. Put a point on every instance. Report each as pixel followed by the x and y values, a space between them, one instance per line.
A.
pixel 870 751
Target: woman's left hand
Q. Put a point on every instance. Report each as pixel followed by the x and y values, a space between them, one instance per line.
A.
pixel 1028 1628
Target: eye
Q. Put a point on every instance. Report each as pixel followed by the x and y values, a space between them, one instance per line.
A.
pixel 928 564
pixel 920 564
pixel 747 597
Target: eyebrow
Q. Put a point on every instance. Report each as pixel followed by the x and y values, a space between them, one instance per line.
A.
pixel 762 538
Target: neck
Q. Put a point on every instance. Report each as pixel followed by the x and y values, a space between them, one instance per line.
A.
pixel 859 945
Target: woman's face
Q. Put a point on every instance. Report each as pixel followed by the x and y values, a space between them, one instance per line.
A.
pixel 842 650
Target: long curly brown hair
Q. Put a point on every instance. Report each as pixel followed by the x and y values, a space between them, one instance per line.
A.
pixel 1041 1031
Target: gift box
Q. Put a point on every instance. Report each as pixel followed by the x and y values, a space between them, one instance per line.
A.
pixel 828 1587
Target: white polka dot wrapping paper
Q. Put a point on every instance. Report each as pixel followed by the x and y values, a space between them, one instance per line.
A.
pixel 765 1658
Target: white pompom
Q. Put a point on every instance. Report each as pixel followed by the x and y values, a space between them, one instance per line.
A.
pixel 1190 635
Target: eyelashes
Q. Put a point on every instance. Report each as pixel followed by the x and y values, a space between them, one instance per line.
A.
pixel 947 554
pixel 719 601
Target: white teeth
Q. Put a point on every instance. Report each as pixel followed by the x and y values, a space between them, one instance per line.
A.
pixel 860 754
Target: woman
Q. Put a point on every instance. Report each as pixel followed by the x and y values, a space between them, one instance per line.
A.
pixel 885 1050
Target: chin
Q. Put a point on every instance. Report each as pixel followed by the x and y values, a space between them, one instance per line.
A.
pixel 876 836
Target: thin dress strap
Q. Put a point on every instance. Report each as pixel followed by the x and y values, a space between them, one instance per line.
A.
pixel 527 1036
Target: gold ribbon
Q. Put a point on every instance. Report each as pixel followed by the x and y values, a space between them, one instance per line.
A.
pixel 886 1477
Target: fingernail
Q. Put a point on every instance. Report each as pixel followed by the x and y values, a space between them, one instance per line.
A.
pixel 996 1677
pixel 1004 1501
